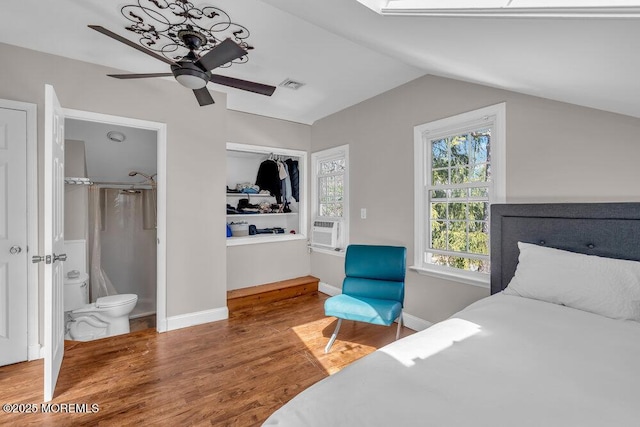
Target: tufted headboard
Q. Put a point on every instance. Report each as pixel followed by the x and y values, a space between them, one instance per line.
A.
pixel 605 229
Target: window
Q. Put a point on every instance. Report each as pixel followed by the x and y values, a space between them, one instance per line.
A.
pixel 330 197
pixel 459 166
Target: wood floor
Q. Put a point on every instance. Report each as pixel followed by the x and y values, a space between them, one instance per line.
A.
pixel 234 372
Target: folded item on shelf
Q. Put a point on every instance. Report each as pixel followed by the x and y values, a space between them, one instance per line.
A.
pixel 272 230
pixel 247 187
pixel 244 204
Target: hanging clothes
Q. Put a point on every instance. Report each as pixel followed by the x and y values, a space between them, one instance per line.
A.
pixel 282 172
pixel 294 176
pixel 269 179
pixel 285 182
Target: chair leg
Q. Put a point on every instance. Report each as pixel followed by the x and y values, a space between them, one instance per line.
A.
pixel 399 325
pixel 333 337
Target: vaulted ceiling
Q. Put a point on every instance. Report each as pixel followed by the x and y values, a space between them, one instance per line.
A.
pixel 344 52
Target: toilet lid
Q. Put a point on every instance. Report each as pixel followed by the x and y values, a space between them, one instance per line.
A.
pixel 115 300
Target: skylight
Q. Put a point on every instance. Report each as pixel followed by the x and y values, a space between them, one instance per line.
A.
pixel 513 8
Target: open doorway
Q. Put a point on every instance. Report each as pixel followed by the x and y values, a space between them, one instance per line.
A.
pixel 115 213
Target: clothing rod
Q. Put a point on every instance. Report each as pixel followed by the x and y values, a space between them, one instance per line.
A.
pixel 122 183
pixel 138 185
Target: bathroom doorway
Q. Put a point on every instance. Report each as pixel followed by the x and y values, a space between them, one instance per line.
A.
pixel 115 206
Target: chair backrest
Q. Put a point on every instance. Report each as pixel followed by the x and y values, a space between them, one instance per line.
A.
pixel 375 272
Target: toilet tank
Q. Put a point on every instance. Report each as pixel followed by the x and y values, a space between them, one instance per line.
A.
pixel 76 292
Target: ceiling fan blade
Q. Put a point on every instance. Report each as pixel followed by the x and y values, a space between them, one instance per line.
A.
pixel 254 87
pixel 225 52
pixel 136 46
pixel 140 76
pixel 203 96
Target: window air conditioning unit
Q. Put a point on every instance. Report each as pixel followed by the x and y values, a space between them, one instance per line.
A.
pixel 325 233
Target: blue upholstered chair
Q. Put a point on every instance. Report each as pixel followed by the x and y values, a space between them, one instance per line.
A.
pixel 373 289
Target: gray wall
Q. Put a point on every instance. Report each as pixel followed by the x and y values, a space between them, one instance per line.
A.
pixel 555 152
pixel 252 265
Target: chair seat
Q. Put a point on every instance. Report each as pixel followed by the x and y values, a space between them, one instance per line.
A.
pixel 361 309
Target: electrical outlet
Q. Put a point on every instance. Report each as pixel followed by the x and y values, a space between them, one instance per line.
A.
pixel 363 213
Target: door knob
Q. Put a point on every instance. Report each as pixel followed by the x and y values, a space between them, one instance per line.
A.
pixel 15 249
pixel 61 257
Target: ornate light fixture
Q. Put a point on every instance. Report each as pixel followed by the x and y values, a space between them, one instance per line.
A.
pixel 192 41
pixel 173 28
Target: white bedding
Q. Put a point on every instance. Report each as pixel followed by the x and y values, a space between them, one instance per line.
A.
pixel 503 361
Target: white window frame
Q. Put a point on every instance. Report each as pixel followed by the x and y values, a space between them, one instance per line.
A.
pixel 495 116
pixel 338 152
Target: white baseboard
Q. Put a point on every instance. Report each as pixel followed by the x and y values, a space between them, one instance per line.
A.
pixel 410 321
pixel 198 318
pixel 326 288
pixel 415 323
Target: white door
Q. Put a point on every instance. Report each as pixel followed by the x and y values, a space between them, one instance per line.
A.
pixel 13 236
pixel 53 240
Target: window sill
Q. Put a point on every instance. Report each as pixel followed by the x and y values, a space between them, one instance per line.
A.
pixel 322 250
pixel 468 279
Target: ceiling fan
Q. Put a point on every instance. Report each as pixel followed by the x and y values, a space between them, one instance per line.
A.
pixel 192 70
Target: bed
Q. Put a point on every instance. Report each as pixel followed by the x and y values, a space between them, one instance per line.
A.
pixel 559 346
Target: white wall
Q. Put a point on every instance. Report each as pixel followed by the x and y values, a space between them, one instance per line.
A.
pixel 555 152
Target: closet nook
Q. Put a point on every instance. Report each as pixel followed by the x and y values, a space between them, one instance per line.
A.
pixel 265 194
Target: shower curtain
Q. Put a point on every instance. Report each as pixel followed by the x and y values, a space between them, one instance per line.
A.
pixel 100 285
pixel 124 245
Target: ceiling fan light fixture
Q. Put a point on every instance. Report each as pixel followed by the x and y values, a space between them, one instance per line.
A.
pixel 190 76
pixel 211 38
pixel 191 82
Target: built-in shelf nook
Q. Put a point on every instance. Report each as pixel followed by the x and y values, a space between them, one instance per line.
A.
pixel 266 194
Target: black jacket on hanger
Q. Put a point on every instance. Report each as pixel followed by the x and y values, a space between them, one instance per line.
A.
pixel 269 179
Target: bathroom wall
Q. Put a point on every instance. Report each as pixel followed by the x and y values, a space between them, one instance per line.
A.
pixel 76 197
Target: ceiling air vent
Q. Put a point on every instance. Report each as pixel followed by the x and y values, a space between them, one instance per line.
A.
pixel 291 84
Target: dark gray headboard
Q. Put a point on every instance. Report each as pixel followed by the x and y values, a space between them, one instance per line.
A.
pixel 605 229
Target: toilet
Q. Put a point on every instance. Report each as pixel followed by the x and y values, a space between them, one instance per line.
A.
pixel 85 321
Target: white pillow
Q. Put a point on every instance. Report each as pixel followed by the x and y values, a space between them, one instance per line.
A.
pixel 605 286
